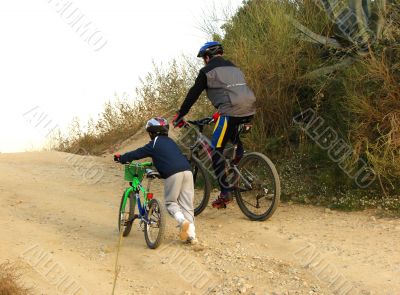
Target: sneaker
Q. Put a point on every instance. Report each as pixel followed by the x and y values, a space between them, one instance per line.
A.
pixel 222 201
pixel 192 231
pixel 184 235
pixel 192 241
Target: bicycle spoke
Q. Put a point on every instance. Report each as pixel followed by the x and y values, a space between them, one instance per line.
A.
pixel 257 187
pixel 249 204
pixel 153 225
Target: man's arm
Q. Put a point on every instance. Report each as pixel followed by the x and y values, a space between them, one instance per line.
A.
pixel 140 153
pixel 194 93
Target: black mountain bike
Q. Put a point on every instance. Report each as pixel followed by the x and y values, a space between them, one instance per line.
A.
pixel 255 179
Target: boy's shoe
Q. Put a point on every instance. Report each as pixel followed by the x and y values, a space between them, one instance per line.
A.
pixel 192 241
pixel 222 201
pixel 184 234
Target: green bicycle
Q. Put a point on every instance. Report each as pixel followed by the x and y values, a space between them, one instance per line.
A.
pixel 151 212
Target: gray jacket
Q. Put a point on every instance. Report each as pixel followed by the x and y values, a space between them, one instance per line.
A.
pixel 226 88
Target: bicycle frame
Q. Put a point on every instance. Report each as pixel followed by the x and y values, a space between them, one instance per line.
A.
pixel 141 208
pixel 137 188
pixel 240 175
pixel 203 143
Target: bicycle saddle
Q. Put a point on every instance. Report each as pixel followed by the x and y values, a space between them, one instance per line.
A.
pixel 152 174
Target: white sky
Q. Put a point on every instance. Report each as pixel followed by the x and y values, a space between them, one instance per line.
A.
pixel 44 63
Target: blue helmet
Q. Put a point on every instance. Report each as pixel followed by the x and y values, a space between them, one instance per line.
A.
pixel 211 48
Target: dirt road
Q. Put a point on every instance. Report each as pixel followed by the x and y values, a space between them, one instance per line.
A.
pixel 61 228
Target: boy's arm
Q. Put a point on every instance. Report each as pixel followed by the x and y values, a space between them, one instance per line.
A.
pixel 140 153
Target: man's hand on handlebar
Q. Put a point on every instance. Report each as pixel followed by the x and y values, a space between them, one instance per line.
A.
pixel 215 116
pixel 178 121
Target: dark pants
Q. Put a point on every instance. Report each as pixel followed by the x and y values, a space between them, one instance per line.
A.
pixel 226 129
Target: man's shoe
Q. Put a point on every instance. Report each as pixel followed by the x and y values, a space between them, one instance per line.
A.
pixel 184 235
pixel 222 201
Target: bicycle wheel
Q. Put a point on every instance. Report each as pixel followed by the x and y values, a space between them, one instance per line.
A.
pixel 202 186
pixel 258 188
pixel 154 229
pixel 126 214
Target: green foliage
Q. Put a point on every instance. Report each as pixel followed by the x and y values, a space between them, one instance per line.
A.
pixel 360 100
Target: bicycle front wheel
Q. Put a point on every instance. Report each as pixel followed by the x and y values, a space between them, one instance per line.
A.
pixel 155 227
pixel 258 189
pixel 202 186
pixel 126 214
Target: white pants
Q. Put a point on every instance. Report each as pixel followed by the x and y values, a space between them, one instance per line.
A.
pixel 179 194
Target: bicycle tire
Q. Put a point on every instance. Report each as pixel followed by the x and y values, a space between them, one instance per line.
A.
pixel 259 158
pixel 121 219
pixel 155 204
pixel 198 167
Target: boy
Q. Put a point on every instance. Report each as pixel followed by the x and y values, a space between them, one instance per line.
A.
pixel 175 169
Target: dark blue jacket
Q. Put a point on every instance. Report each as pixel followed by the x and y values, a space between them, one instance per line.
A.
pixel 167 157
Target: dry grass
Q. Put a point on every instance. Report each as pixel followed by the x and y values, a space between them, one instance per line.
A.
pixel 373 90
pixel 10 281
pixel 159 94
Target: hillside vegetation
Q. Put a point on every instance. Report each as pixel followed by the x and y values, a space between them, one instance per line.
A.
pixel 299 62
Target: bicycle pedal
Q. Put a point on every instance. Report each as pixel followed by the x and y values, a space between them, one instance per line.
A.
pixel 221 206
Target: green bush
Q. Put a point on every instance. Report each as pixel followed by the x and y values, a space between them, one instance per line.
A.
pixel 360 101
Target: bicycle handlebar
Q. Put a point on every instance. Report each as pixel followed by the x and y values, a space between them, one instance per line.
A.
pixel 143 165
pixel 201 122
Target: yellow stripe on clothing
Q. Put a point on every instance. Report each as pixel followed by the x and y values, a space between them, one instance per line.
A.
pixel 221 137
pixel 216 124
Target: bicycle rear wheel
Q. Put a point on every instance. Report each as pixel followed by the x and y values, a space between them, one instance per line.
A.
pixel 258 189
pixel 126 214
pixel 155 227
pixel 202 186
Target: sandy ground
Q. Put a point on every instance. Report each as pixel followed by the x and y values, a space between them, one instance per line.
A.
pixel 58 221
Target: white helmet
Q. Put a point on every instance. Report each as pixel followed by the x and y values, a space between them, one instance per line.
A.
pixel 157 126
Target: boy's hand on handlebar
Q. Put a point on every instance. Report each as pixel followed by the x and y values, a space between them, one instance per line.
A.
pixel 117 158
pixel 178 121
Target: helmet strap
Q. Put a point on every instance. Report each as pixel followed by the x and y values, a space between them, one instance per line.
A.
pixel 155 134
pixel 152 135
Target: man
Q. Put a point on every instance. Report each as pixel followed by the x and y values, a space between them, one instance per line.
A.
pixel 228 92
